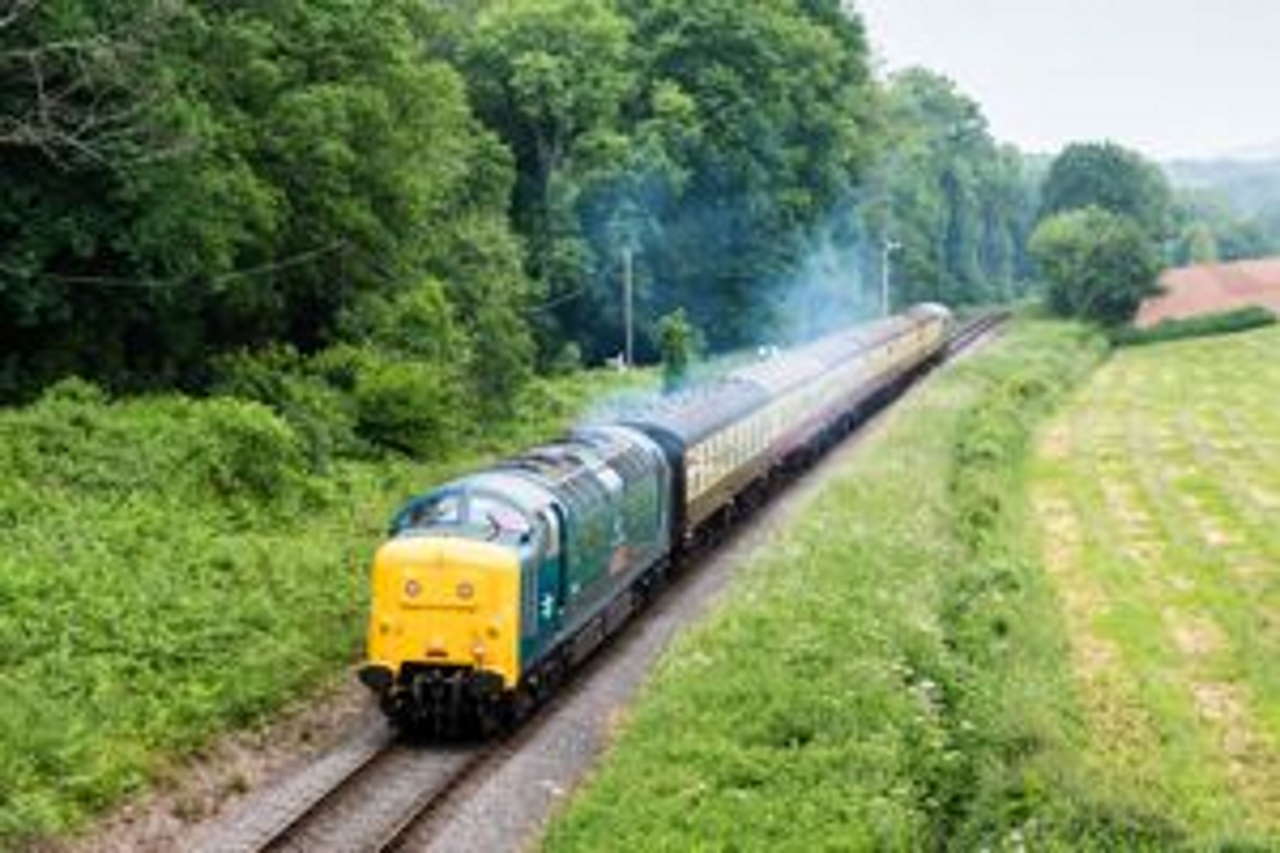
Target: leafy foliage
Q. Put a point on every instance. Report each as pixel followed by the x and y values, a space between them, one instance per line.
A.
pixel 218 179
pixel 1098 265
pixel 1209 229
pixel 282 162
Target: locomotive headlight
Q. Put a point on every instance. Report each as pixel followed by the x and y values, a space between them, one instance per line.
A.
pixel 465 591
pixel 412 589
pixel 479 650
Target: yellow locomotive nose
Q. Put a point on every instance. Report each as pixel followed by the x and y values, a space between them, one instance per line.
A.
pixel 444 602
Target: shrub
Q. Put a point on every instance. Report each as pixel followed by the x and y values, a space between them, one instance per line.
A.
pixel 247 452
pixel 278 377
pixel 1098 265
pixel 414 407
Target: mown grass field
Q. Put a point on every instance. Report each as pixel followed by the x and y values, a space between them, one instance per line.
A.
pixel 1158 493
pixel 172 568
pixel 894 672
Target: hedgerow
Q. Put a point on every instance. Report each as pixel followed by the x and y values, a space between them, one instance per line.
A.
pixel 1221 323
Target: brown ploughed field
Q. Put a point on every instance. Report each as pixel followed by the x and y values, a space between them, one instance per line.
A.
pixel 1210 288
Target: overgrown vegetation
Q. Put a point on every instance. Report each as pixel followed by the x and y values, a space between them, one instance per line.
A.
pixel 893 672
pixel 1221 323
pixel 175 567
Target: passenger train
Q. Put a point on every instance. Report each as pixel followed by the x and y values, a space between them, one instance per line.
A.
pixel 493 587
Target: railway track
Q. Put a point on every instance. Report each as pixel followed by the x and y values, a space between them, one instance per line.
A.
pixel 373 790
pixel 971 331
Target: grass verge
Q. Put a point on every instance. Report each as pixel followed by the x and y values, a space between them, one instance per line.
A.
pixel 173 568
pixel 893 672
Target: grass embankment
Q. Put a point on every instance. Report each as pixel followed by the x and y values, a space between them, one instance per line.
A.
pixel 172 568
pixel 893 672
pixel 1158 489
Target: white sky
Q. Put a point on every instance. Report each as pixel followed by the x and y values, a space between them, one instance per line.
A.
pixel 1169 77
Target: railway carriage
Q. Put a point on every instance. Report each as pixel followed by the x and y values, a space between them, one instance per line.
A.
pixel 492 587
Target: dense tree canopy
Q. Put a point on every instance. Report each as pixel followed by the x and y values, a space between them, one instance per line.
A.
pixel 189 178
pixel 260 170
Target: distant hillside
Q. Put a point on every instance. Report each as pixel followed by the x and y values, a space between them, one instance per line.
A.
pixel 1250 184
pixel 1257 153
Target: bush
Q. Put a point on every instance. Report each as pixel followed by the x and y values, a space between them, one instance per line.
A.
pixel 75 444
pixel 247 452
pixel 413 407
pixel 1098 266
pixel 278 377
pixel 1222 323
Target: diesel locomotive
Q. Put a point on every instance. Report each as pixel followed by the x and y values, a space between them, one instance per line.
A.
pixel 491 588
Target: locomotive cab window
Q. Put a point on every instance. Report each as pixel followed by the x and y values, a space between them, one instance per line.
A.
pixel 469 514
pixel 441 510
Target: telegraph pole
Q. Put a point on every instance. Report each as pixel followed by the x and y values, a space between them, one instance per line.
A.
pixel 627 290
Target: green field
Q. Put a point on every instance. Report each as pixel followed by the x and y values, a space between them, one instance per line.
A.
pixel 893 672
pixel 173 568
pixel 1158 491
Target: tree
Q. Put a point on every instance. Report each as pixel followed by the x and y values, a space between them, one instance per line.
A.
pixel 1113 178
pixel 1210 228
pixel 1202 245
pixel 778 132
pixel 678 344
pixel 1097 265
pixel 549 76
